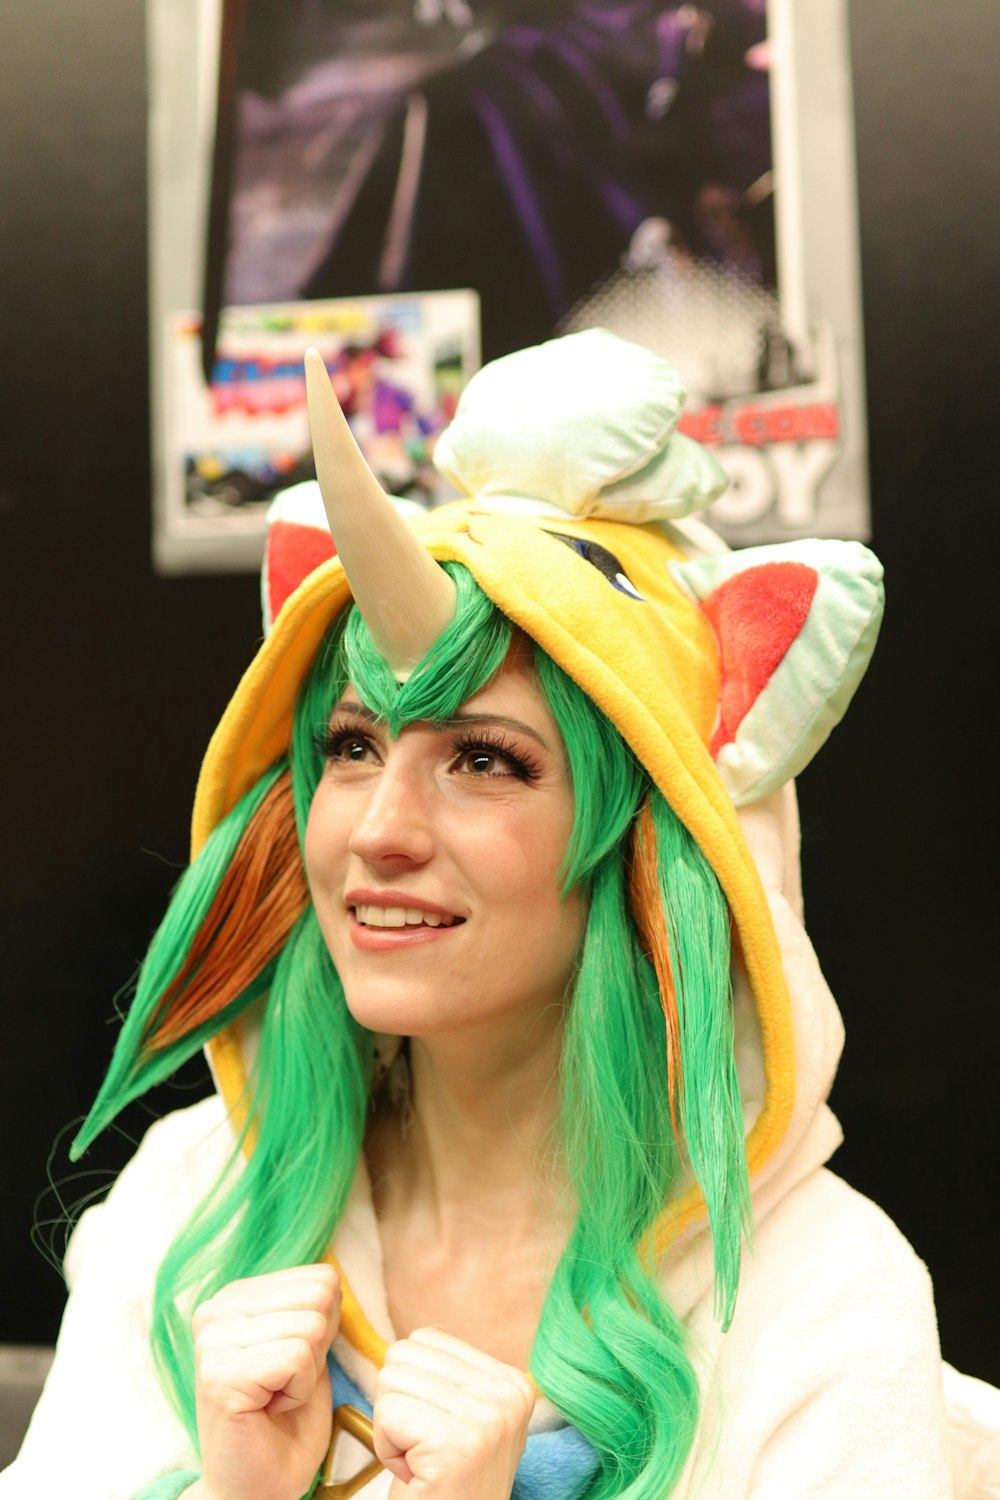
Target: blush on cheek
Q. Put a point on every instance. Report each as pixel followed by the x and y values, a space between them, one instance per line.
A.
pixel 325 844
pixel 309 850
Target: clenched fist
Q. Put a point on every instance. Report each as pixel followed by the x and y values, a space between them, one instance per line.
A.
pixel 262 1385
pixel 450 1423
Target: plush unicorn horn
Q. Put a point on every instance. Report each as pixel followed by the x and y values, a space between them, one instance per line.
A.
pixel 405 597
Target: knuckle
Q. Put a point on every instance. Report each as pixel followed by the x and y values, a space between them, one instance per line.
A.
pixel 384 1416
pixel 315 1325
pixel 396 1353
pixel 302 1356
pixel 526 1392
pixel 493 1429
pixel 382 1443
pixel 201 1321
pixel 212 1385
pixel 327 1290
pixel 387 1379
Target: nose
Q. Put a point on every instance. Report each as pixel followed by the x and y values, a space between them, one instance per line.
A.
pixel 395 820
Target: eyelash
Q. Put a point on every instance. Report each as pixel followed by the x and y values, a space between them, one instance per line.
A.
pixel 522 765
pixel 338 733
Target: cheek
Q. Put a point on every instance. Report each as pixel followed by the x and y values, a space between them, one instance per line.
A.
pixel 325 841
pixel 514 863
pixel 519 861
pixel 313 847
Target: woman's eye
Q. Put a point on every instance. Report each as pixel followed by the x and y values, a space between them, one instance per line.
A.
pixel 483 763
pixel 349 749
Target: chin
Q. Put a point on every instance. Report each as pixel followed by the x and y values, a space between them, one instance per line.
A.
pixel 396 1015
pixel 409 1015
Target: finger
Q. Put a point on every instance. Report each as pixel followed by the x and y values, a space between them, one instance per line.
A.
pixel 282 1402
pixel 271 1328
pixel 400 1422
pixel 422 1385
pixel 434 1444
pixel 390 1440
pixel 237 1381
pixel 485 1407
pixel 448 1383
pixel 400 1469
pixel 434 1350
pixel 449 1365
pixel 263 1297
pixel 277 1291
pixel 408 1355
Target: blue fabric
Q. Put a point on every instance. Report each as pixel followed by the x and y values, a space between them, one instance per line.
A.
pixel 557 1465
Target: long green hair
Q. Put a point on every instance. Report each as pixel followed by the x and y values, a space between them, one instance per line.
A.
pixel 609 1351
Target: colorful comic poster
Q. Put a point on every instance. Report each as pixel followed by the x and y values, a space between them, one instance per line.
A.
pixel 682 174
pixel 398 365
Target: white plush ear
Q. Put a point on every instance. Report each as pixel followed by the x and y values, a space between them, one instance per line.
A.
pixel 796 624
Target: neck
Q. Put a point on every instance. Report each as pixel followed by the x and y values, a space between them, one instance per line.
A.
pixel 471 1149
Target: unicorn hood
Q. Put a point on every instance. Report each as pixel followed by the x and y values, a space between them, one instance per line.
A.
pixel 724 671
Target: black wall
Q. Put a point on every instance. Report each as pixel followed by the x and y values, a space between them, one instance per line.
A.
pixel 113 678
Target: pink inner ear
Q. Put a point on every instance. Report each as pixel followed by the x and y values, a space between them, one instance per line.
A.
pixel 293 551
pixel 756 616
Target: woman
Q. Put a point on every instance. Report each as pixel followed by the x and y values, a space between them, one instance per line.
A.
pixel 458 938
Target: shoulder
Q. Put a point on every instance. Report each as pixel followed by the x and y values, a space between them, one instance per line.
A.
pixel 824 1225
pixel 102 1403
pixel 178 1161
pixel 834 1286
pixel 821 1244
pixel 828 1382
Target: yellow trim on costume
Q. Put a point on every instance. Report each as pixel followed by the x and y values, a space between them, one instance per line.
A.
pixel 355 1327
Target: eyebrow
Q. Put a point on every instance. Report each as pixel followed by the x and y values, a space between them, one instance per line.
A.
pixel 349 707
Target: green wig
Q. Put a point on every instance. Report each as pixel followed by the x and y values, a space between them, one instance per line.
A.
pixel 649 1096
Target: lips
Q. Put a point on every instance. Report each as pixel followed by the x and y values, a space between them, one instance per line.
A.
pixel 371 915
pixel 396 911
pixel 380 927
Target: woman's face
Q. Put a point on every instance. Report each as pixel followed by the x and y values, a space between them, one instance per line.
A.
pixel 433 861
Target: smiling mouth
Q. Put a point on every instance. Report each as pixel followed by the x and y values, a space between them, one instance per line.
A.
pixel 402 916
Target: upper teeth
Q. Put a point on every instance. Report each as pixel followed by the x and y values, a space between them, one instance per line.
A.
pixel 400 916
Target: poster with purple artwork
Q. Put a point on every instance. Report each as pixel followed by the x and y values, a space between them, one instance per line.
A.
pixel 681 174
